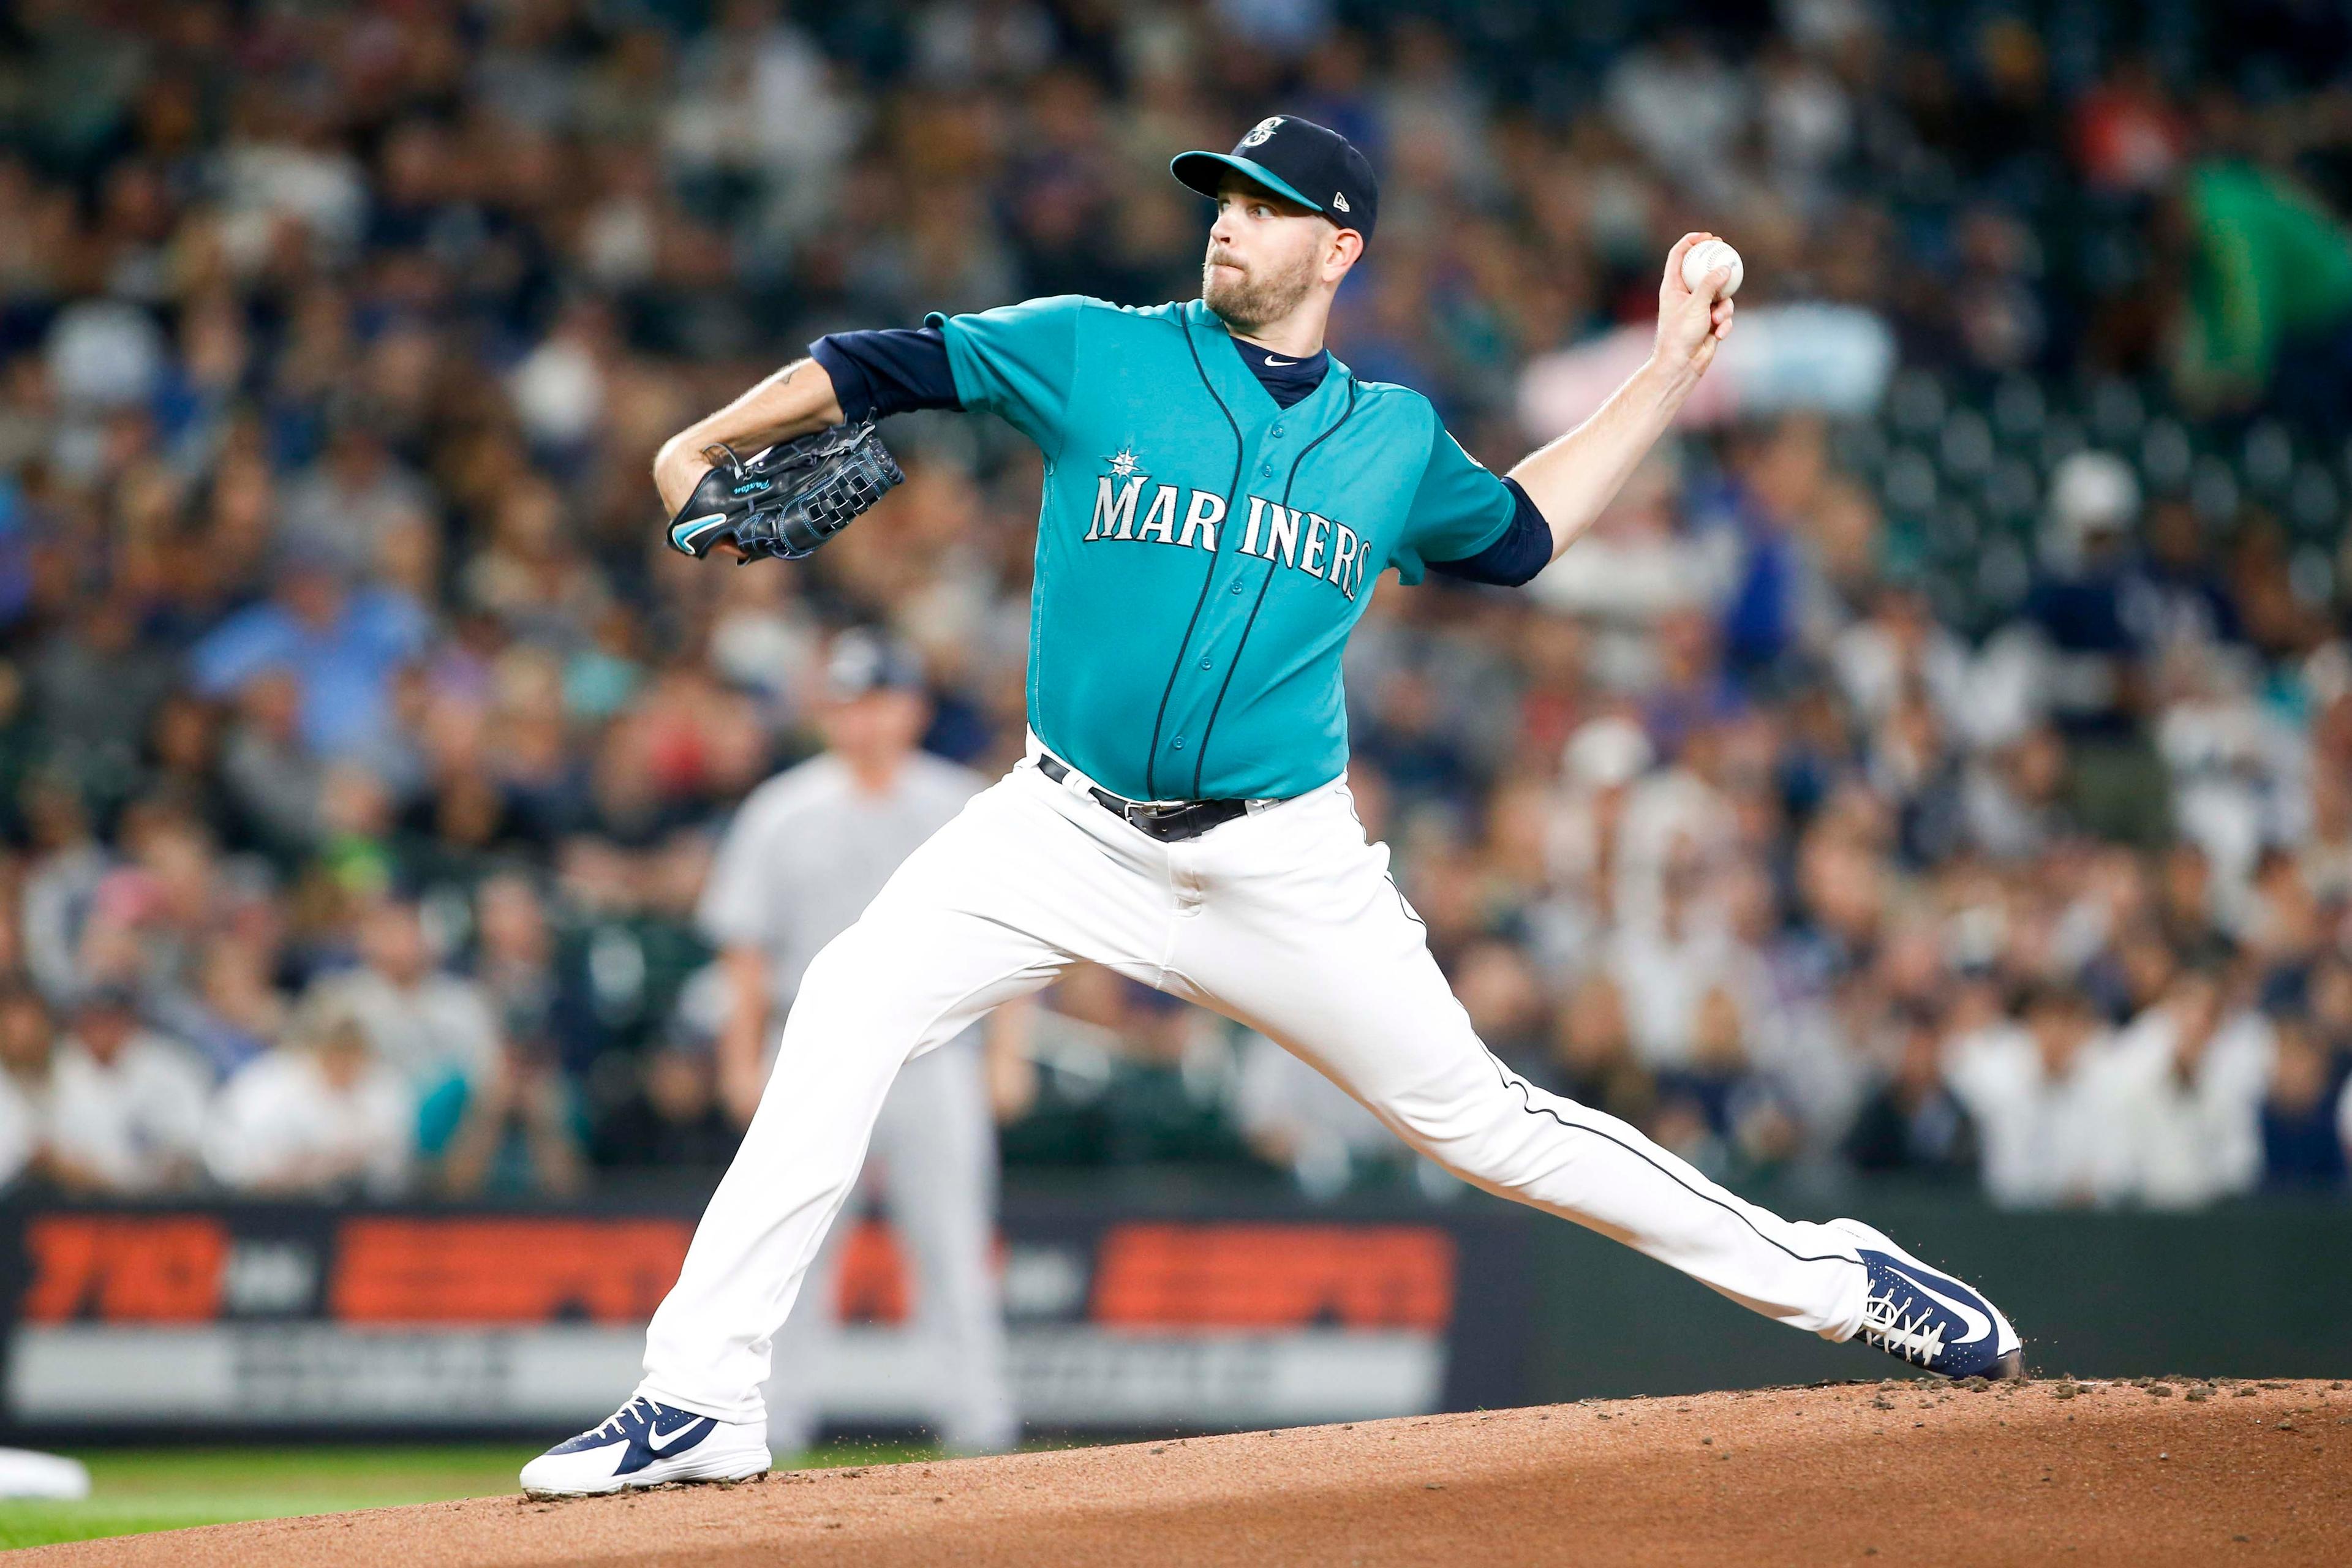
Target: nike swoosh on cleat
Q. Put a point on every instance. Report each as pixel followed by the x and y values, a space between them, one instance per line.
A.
pixel 1979 1325
pixel 661 1443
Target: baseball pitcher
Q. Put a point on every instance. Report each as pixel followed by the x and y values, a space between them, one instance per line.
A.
pixel 1220 494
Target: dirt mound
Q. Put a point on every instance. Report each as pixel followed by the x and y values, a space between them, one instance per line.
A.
pixel 2180 1472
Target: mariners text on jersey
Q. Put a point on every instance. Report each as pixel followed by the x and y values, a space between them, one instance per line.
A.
pixel 1202 551
pixel 1331 552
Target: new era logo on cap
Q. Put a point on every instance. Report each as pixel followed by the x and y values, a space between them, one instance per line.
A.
pixel 1291 156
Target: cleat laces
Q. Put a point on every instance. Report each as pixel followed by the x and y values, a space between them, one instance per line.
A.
pixel 615 1423
pixel 1918 1338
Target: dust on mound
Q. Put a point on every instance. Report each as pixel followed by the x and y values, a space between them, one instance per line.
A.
pixel 2180 1472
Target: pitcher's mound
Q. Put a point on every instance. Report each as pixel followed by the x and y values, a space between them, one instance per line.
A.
pixel 2182 1472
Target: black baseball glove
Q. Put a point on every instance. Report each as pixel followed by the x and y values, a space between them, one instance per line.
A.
pixel 786 501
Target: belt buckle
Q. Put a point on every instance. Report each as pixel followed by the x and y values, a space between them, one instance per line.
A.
pixel 1159 822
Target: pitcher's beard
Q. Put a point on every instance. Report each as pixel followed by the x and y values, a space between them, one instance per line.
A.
pixel 1251 301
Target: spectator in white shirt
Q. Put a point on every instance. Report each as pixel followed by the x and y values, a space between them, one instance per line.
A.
pixel 1677 99
pixel 2042 1094
pixel 1635 565
pixel 27 1040
pixel 432 1028
pixel 1900 645
pixel 127 1105
pixel 1666 965
pixel 319 1115
pixel 1600 768
pixel 2189 1078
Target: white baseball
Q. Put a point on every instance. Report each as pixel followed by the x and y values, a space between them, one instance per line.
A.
pixel 1706 257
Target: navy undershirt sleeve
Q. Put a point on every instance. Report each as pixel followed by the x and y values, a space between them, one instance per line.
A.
pixel 894 371
pixel 1524 550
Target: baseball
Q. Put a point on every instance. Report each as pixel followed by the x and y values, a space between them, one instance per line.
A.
pixel 1706 256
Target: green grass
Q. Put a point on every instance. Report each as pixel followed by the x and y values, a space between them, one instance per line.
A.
pixel 137 1489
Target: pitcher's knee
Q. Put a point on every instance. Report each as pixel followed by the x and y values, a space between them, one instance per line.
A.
pixel 1500 1134
pixel 1453 1125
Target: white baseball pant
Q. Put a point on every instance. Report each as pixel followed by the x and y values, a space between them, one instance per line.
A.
pixel 933 1163
pixel 1285 919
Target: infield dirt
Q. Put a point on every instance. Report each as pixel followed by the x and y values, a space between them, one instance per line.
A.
pixel 2178 1471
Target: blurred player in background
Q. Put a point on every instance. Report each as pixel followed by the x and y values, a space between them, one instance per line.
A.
pixel 803 857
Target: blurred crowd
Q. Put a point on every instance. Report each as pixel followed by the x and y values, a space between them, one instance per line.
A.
pixel 362 751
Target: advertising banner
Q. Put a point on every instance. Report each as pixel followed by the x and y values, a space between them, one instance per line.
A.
pixel 443 1320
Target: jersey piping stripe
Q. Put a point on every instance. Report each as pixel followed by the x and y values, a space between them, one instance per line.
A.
pixel 1258 603
pixel 1527 1102
pixel 1208 578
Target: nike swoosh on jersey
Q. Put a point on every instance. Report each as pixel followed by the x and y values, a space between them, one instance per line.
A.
pixel 1271 361
pixel 1979 1325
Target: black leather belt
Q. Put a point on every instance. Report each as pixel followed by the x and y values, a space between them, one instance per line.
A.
pixel 1170 823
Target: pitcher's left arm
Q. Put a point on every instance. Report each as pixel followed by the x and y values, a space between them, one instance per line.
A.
pixel 1572 480
pixel 1557 491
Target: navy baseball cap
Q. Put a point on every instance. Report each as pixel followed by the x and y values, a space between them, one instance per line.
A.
pixel 1309 164
pixel 862 661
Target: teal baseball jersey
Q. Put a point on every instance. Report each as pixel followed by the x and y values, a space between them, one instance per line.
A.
pixel 1203 553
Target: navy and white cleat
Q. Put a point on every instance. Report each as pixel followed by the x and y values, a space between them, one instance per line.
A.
pixel 1924 1317
pixel 648 1445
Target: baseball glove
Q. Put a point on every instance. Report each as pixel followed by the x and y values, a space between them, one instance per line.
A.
pixel 787 500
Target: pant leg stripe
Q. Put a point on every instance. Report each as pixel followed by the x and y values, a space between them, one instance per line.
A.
pixel 1527 1103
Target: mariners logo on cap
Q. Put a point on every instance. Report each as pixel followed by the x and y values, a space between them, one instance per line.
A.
pixel 1262 129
